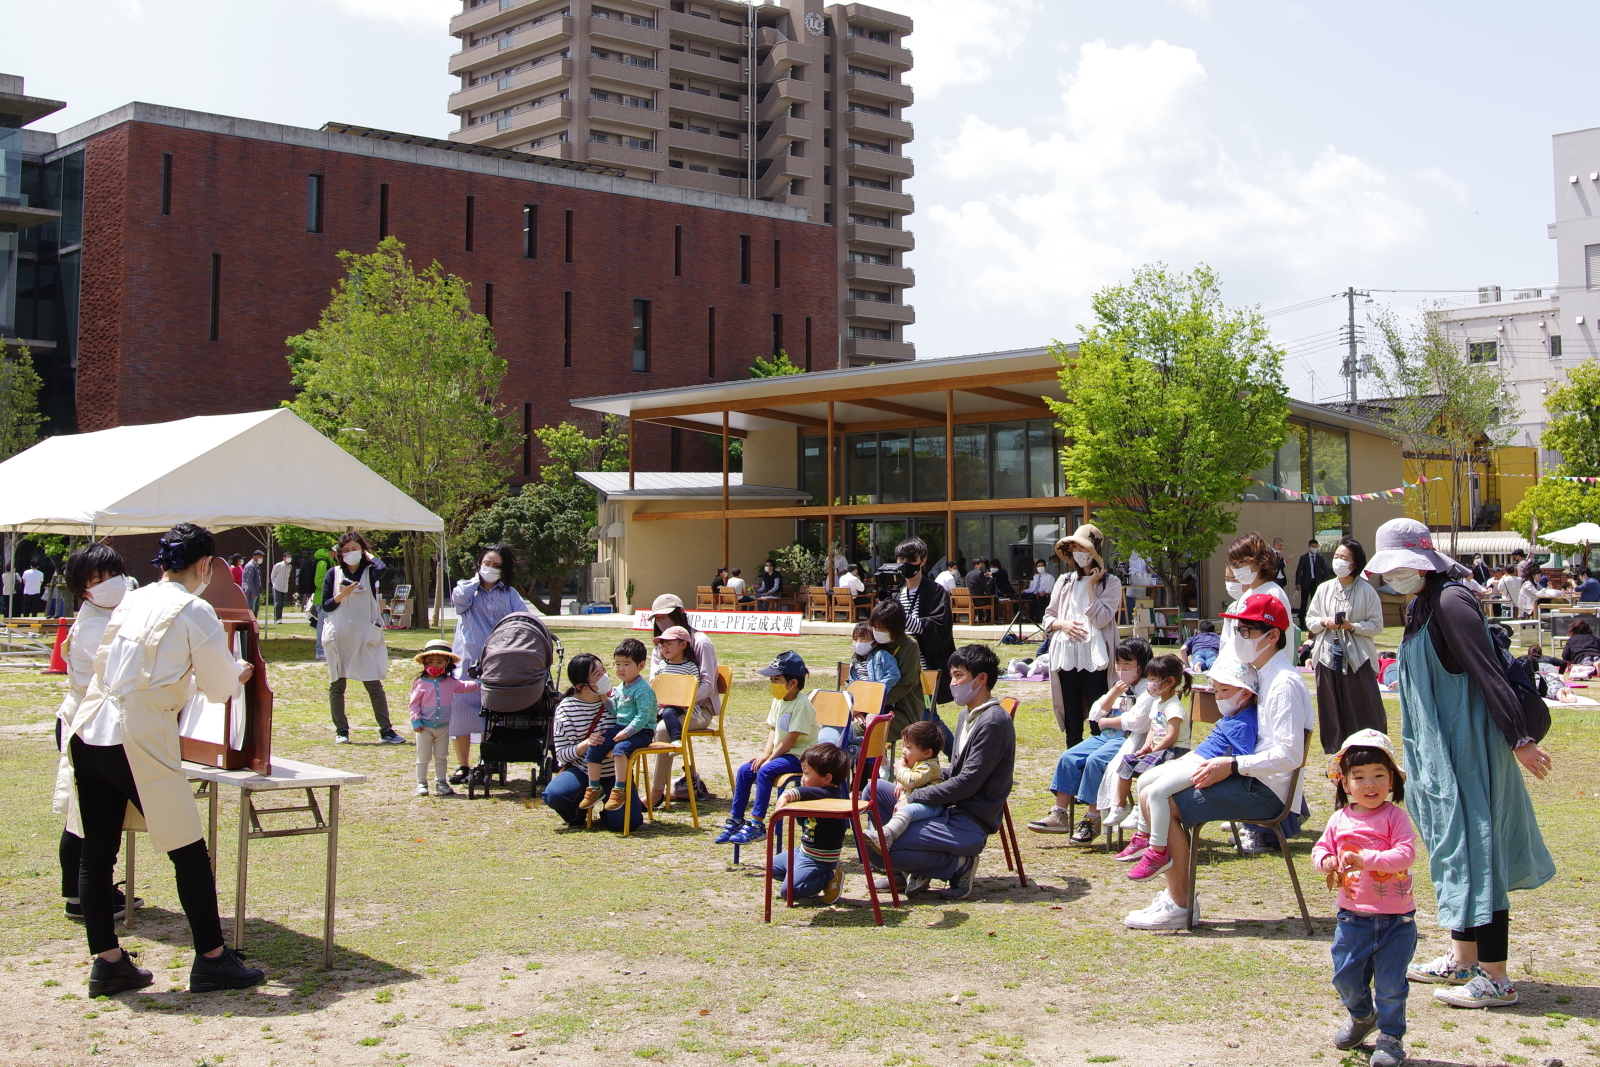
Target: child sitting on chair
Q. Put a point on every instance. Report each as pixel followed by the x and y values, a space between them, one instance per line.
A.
pixel 918 766
pixel 629 726
pixel 1162 720
pixel 791 729
pixel 823 770
pixel 871 661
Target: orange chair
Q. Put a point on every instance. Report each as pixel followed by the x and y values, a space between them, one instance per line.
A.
pixel 672 691
pixel 1008 832
pixel 930 693
pixel 725 676
pixel 868 697
pixel 873 745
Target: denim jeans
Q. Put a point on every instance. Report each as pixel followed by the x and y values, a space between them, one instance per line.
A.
pixel 566 790
pixel 936 846
pixel 810 877
pixel 1370 956
pixel 1080 768
pixel 760 782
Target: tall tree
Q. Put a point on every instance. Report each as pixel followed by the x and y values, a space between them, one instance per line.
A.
pixel 1438 391
pixel 778 366
pixel 1172 400
pixel 19 401
pixel 402 373
pixel 1574 431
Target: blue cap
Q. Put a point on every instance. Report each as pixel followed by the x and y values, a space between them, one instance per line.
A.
pixel 786 665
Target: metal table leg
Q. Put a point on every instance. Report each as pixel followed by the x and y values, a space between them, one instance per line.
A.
pixel 129 870
pixel 242 875
pixel 331 895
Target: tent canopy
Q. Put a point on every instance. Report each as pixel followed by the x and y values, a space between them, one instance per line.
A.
pixel 1585 533
pixel 256 469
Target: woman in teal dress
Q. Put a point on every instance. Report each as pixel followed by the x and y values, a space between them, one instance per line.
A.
pixel 1465 733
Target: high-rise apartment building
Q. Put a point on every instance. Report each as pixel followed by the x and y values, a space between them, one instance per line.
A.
pixel 785 101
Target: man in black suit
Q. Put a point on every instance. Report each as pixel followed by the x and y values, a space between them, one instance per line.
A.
pixel 1310 572
pixel 927 608
pixel 978 578
pixel 1480 569
pixel 1277 550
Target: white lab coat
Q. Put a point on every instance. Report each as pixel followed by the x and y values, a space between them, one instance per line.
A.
pixel 352 633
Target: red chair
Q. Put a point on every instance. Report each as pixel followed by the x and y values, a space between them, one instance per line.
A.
pixel 1008 832
pixel 873 743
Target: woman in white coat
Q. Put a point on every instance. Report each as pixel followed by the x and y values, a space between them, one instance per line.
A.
pixel 1346 615
pixel 352 634
pixel 1081 621
pixel 122 760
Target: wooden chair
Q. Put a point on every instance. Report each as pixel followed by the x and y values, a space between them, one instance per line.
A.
pixel 868 697
pixel 872 749
pixel 672 691
pixel 727 602
pixel 983 608
pixel 1008 832
pixel 961 607
pixel 842 607
pixel 816 604
pixel 1276 825
pixel 725 676
pixel 704 599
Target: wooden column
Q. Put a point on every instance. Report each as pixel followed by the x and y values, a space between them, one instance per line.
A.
pixel 725 489
pixel 630 453
pixel 827 544
pixel 949 473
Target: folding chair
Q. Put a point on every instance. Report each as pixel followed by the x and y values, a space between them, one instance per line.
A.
pixel 1276 825
pixel 1008 832
pixel 672 691
pixel 725 676
pixel 833 724
pixel 872 749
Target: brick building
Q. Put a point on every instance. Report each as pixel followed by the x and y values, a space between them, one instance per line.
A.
pixel 207 240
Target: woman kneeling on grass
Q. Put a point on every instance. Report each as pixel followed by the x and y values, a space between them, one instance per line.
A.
pixel 577 729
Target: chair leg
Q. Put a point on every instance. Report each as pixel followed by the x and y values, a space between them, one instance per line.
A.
pixel 722 735
pixel 767 878
pixel 866 866
pixel 788 874
pixel 1005 846
pixel 1294 879
pixel 688 777
pixel 627 784
pixel 1194 868
pixel 1016 848
pixel 883 849
pixel 1238 842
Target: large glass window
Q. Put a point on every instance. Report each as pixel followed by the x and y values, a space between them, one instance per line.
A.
pixel 894 468
pixel 1004 460
pixel 814 470
pixel 862 450
pixel 1009 463
pixel 929 462
pixel 972 538
pixel 1042 459
pixel 972 462
pixel 1330 476
pixel 1289 469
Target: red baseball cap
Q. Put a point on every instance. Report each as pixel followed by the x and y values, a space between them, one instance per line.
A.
pixel 1265 608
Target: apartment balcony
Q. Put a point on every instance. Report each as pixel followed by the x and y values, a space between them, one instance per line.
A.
pixel 878 18
pixel 859 351
pixel 501 133
pixel 681 100
pixel 877 272
pixel 507 51
pixel 616 155
pixel 879 236
pixel 875 53
pixel 870 88
pixel 709 183
pixel 626 33
pixel 875 126
pixel 627 74
pixel 680 23
pixel 708 68
pixel 881 162
pixel 780 172
pixel 879 311
pixel 781 94
pixel 782 132
pixel 860 196
pixel 490 96
pixel 707 144
pixel 480 19
pixel 780 58
pixel 651 119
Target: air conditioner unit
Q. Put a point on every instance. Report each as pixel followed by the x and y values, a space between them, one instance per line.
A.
pixel 600 589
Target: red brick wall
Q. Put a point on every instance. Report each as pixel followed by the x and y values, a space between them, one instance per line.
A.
pixel 144 354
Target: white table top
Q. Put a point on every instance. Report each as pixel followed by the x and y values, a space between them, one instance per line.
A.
pixel 286 774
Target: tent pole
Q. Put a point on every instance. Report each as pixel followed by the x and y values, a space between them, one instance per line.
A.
pixel 438 588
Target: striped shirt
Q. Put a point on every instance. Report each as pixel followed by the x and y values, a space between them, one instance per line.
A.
pixel 575 719
pixel 821 839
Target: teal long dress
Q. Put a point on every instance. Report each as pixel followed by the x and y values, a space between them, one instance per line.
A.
pixel 1464 789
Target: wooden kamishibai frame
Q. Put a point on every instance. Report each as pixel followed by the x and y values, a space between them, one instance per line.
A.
pixel 253 748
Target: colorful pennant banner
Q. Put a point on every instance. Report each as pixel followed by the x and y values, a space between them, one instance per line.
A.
pixel 1397 493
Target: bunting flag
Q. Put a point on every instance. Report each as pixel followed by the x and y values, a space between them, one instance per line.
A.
pixel 1578 478
pixel 1397 493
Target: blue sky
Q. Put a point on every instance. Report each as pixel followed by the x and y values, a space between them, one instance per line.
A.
pixel 1297 148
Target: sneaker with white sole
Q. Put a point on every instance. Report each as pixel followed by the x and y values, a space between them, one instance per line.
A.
pixel 442 789
pixel 1481 992
pixel 1057 822
pixel 1443 971
pixel 1120 816
pixel 422 789
pixel 1388 1052
pixel 1151 863
pixel 341 739
pixel 960 886
pixel 1162 914
pixel 1136 846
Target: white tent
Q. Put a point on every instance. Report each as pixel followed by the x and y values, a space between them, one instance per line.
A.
pixel 260 468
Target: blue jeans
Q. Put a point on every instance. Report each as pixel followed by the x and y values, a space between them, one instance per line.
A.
pixel 566 790
pixel 620 749
pixel 1370 956
pixel 919 812
pixel 935 846
pixel 1203 659
pixel 745 779
pixel 810 877
pixel 1081 767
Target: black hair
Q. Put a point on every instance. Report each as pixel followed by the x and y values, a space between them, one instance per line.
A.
pixel 184 545
pixel 1579 626
pixel 1362 756
pixel 1312 543
pixel 1358 555
pixel 1136 649
pixel 925 735
pixel 633 649
pixel 579 668
pixel 1038 563
pixel 976 660
pixel 87 562
pixel 425 653
pixel 352 535
pixel 736 572
pixel 1207 626
pixel 508 563
pixel 889 615
pixel 828 759
pixel 911 550
pixel 1169 668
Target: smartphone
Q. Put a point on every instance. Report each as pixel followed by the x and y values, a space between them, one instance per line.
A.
pixel 1338 618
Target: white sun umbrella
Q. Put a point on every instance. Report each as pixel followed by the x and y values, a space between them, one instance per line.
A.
pixel 1585 533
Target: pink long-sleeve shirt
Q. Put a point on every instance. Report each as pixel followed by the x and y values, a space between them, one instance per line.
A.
pixel 1387 844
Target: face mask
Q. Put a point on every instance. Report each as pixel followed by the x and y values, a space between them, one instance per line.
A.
pixel 1082 559
pixel 1233 589
pixel 1128 676
pixel 778 688
pixel 1039 569
pixel 1341 568
pixel 910 570
pixel 861 647
pixel 489 574
pixel 1230 705
pixel 351 558
pixel 206 570
pixel 883 637
pixel 1405 580
pixel 435 670
pixel 963 692
pixel 109 593
pixel 1244 575
pixel 603 686
pixel 1246 649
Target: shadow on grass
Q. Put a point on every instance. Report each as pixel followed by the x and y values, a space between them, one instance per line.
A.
pixel 1540 998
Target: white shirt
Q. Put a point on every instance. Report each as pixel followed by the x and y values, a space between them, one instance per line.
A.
pixel 280 576
pixel 8 583
pixel 87 632
pixel 852 583
pixel 1139 571
pixel 735 585
pixel 1283 715
pixel 32 581
pixel 946 579
pixel 1042 584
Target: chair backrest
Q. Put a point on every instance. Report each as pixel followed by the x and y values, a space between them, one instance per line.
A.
pixel 706 589
pixel 1294 781
pixel 930 686
pixel 1011 704
pixel 817 592
pixel 730 601
pixel 725 673
pixel 833 708
pixel 960 598
pixel 868 696
pixel 874 742
pixel 843 599
pixel 676 690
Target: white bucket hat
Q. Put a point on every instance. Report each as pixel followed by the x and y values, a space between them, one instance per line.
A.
pixel 1230 671
pixel 1406 543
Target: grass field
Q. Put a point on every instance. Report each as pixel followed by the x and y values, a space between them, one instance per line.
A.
pixel 487 932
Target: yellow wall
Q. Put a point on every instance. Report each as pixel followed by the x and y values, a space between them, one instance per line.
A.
pixel 1508 492
pixel 772 457
pixel 676 556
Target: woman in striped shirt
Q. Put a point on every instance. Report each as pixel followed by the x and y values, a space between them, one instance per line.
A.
pixel 577 726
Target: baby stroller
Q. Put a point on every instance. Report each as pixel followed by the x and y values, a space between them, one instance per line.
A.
pixel 520 659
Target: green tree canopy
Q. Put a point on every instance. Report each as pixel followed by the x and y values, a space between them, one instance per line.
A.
pixel 1574 431
pixel 19 401
pixel 1172 400
pixel 778 366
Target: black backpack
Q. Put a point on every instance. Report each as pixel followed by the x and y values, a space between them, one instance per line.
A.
pixel 1534 709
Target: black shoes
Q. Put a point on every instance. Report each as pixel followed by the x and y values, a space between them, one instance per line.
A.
pixel 109 979
pixel 460 775
pixel 226 971
pixel 74 907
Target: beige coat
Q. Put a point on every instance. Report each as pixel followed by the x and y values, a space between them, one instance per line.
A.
pixel 1102 612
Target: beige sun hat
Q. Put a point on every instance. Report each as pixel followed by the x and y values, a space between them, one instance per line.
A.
pixel 436 647
pixel 1086 537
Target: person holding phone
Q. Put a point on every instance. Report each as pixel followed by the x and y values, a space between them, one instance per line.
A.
pixel 1344 616
pixel 1081 623
pixel 352 634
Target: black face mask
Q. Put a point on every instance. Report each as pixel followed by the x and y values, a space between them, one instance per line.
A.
pixel 910 570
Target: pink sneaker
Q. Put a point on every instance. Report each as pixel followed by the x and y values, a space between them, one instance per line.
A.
pixel 1152 863
pixel 1135 849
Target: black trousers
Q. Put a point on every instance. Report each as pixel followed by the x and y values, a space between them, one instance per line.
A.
pixel 380 706
pixel 1079 691
pixel 105 787
pixel 1493 938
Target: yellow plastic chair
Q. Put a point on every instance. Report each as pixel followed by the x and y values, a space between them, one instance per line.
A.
pixel 930 693
pixel 720 733
pixel 868 696
pixel 672 691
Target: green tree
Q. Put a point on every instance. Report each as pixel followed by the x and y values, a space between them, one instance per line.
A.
pixel 19 401
pixel 778 366
pixel 1574 431
pixel 403 374
pixel 1173 398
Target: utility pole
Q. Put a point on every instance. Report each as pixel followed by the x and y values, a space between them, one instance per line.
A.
pixel 1352 364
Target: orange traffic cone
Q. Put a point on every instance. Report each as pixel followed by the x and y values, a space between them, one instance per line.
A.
pixel 57 664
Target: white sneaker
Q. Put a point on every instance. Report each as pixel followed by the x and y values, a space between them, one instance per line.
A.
pixel 1118 817
pixel 1481 992
pixel 1162 914
pixel 422 789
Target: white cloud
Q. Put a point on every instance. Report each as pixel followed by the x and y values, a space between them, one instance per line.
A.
pixel 1133 170
pixel 414 14
pixel 959 42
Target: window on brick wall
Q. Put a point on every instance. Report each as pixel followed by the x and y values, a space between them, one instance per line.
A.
pixel 566 329
pixel 777 334
pixel 641 336
pixel 569 235
pixel 530 231
pixel 744 259
pixel 808 342
pixel 313 203
pixel 471 205
pixel 777 263
pixel 216 296
pixel 527 439
pixel 166 183
pixel 677 251
pixel 488 302
pixel 711 342
pixel 383 210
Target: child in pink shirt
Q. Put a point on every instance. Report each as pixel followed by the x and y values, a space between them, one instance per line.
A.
pixel 1366 852
pixel 431 696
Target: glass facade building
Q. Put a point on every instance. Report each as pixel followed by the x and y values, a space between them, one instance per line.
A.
pixel 1312 459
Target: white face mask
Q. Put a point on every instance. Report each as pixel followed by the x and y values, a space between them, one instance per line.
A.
pixel 1244 575
pixel 1229 705
pixel 351 558
pixel 1083 559
pixel 1341 567
pixel 109 593
pixel 1039 569
pixel 861 647
pixel 883 637
pixel 1128 677
pixel 489 574
pixel 603 686
pixel 1246 649
pixel 206 570
pixel 1405 580
pixel 1233 589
